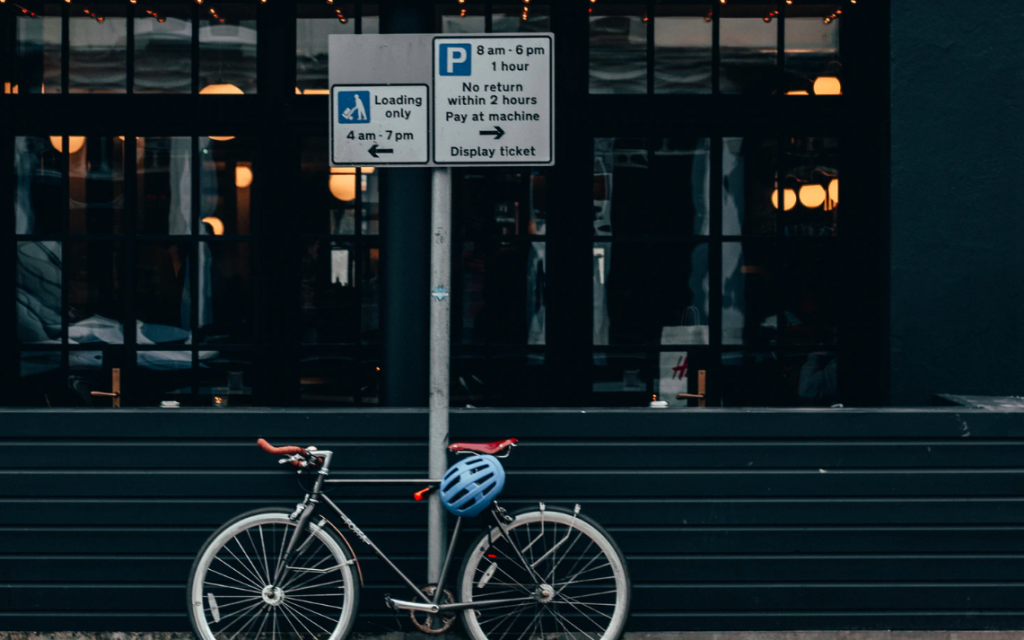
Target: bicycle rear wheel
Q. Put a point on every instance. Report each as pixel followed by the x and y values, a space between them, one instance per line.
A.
pixel 580 567
pixel 233 593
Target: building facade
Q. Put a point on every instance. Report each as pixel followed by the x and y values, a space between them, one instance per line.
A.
pixel 172 229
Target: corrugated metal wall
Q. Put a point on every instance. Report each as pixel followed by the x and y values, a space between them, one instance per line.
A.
pixel 730 519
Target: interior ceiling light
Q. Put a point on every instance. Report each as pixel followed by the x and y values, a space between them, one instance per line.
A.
pixel 812 196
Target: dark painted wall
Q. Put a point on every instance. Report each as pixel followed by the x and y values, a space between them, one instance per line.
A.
pixel 957 216
pixel 843 519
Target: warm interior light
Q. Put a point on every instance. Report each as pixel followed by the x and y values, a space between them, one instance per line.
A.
pixel 797 93
pixel 221 89
pixel 827 86
pixel 75 143
pixel 812 196
pixel 788 199
pixel 833 191
pixel 343 186
pixel 243 176
pixel 215 224
pixel 222 138
pixel 317 92
pixel 367 169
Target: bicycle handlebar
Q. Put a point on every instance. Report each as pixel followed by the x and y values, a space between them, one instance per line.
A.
pixel 280 451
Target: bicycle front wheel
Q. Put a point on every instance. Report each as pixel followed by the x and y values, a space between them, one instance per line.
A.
pixel 238 591
pixel 577 583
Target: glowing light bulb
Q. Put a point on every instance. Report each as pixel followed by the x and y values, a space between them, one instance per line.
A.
pixel 812 196
pixel 788 199
pixel 827 86
pixel 343 187
pixel 216 225
pixel 75 143
pixel 243 176
pixel 833 191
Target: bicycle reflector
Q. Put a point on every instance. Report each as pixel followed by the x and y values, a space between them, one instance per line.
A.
pixel 470 485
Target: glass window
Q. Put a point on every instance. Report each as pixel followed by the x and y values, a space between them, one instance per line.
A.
pixel 98 36
pixel 326 196
pixel 812 172
pixel 163 48
pixel 39 292
pixel 511 18
pixel 463 18
pixel 682 49
pixel 225 297
pixel 37 61
pixel 226 181
pixel 812 50
pixel 369 22
pixel 164 185
pixel 163 294
pixel 97 185
pixel 38 188
pixel 669 177
pixel 748 40
pixel 810 297
pixel 227 49
pixel 750 294
pixel 618 49
pixel 95 310
pixel 752 195
pixel 313 27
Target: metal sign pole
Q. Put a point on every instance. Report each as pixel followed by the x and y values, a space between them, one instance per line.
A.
pixel 440 357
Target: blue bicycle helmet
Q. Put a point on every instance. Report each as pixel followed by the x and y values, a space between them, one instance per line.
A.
pixel 470 485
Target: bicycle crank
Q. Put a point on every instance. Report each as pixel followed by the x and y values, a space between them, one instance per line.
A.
pixel 433 623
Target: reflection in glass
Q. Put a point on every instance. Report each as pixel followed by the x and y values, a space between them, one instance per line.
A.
pixel 97 185
pixel 370 280
pixel 38 199
pixel 163 302
pixel 750 303
pixel 37 62
pixel 330 301
pixel 810 379
pixel 502 202
pixel 650 292
pixel 682 49
pixel 226 183
pixel 749 49
pixel 162 376
pixel 98 61
pixel 227 49
pixel 502 297
pixel 225 379
pixel 463 18
pixel 525 18
pixel 39 292
pixel 34 363
pixel 618 49
pixel 163 48
pixel 95 311
pixel 326 197
pixel 750 379
pixel 621 379
pixel 749 170
pixel 812 172
pixel 313 27
pixel 225 292
pixel 164 185
pixel 673 183
pixel 369 185
pixel 812 48
pixel 332 378
pixel 811 296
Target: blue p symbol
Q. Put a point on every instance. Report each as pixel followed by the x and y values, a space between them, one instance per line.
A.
pixel 456 60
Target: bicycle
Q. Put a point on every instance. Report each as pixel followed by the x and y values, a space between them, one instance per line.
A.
pixel 542 571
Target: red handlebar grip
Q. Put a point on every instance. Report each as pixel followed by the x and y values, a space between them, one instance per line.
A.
pixel 279 451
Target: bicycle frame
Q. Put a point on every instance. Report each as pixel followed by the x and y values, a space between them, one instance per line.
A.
pixel 306 509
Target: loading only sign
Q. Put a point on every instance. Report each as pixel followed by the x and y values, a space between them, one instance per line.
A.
pixel 493 100
pixel 380 125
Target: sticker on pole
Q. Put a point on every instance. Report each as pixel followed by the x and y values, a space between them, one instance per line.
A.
pixel 493 100
pixel 380 125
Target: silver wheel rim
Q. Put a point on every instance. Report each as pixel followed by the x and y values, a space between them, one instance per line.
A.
pixel 588 596
pixel 234 598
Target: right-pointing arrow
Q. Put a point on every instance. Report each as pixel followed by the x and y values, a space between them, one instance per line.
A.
pixel 497 133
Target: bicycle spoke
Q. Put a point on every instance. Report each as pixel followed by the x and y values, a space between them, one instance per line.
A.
pixel 302 616
pixel 237 559
pixel 317 586
pixel 571 622
pixel 294 603
pixel 224 586
pixel 319 604
pixel 247 625
pixel 572 603
pixel 579 573
pixel 247 581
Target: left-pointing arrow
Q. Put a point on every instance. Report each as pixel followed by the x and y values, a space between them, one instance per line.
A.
pixel 376 150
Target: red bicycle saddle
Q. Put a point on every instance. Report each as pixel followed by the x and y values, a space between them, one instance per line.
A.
pixel 489 448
